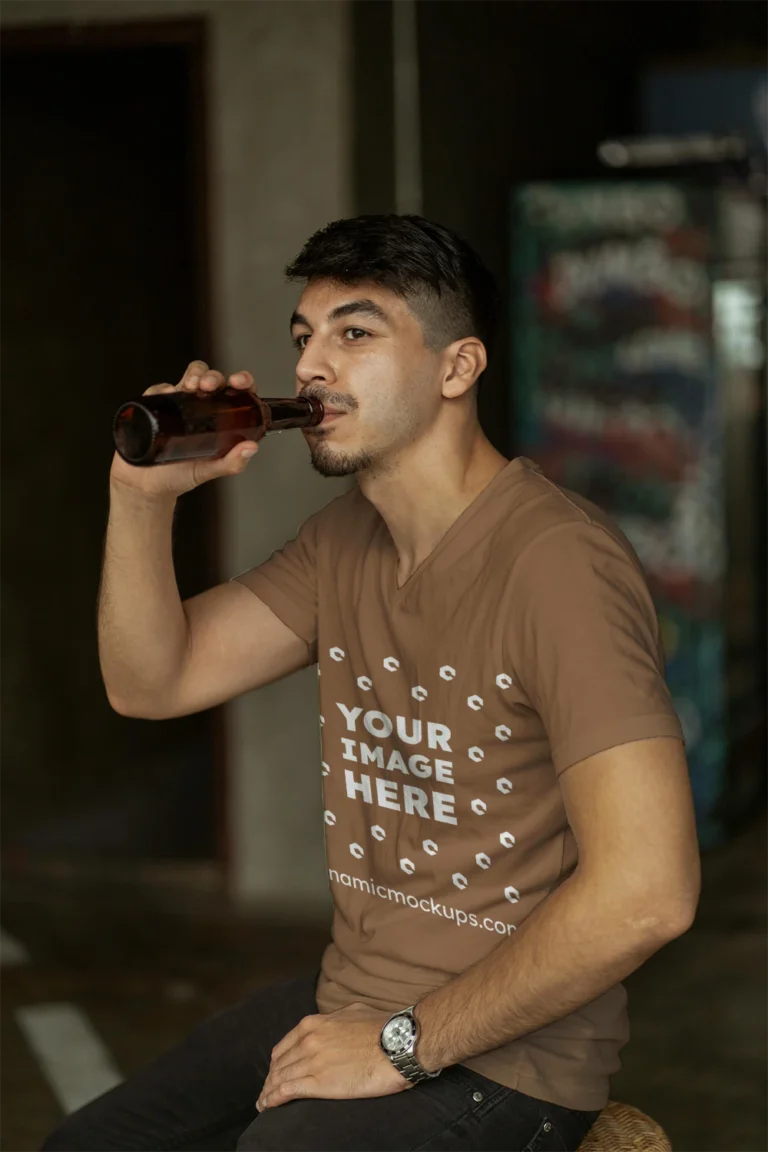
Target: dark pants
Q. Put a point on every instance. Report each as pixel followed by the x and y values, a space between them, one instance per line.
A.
pixel 202 1096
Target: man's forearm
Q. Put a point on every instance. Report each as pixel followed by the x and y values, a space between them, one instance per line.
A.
pixel 577 944
pixel 142 628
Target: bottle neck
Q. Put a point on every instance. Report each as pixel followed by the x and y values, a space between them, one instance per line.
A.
pixel 303 412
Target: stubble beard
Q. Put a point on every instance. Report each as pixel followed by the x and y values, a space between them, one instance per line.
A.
pixel 330 463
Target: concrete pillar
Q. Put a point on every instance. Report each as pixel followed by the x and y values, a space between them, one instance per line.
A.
pixel 280 167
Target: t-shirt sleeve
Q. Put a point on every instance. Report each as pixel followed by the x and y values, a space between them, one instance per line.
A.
pixel 287 584
pixel 584 643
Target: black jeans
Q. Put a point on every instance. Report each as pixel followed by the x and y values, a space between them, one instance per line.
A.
pixel 201 1096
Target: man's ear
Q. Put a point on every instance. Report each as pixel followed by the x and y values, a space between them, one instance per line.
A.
pixel 467 360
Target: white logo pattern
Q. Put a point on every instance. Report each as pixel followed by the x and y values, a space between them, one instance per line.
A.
pixel 475 753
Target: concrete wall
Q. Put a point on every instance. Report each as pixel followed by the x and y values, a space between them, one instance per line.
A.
pixel 280 167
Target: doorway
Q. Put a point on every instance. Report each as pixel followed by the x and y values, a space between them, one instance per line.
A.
pixel 104 292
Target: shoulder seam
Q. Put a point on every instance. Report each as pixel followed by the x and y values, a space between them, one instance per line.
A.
pixel 563 496
pixel 564 527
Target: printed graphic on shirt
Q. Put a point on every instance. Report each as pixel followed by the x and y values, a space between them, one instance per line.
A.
pixel 528 640
pixel 403 777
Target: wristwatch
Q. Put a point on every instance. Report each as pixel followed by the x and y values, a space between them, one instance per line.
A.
pixel 398 1041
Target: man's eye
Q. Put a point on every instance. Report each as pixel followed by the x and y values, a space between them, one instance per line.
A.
pixel 300 341
pixel 355 333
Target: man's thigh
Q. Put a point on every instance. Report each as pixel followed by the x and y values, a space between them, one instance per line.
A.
pixel 459 1110
pixel 201 1094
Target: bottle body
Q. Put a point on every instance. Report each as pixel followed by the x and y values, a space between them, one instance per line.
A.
pixel 172 426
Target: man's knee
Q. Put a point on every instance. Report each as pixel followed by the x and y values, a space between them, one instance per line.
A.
pixel 248 1141
pixel 67 1137
pixel 85 1132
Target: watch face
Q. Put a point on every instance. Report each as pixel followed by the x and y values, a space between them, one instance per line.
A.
pixel 398 1033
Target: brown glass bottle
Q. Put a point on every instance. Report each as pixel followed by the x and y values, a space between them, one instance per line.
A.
pixel 172 426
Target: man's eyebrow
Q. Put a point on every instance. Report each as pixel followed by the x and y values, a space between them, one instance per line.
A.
pixel 359 308
pixel 352 308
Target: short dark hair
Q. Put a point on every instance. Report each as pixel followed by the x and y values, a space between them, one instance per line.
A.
pixel 440 277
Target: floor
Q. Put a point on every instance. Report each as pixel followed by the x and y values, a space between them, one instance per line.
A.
pixel 144 965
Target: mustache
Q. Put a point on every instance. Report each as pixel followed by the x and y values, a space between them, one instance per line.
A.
pixel 329 399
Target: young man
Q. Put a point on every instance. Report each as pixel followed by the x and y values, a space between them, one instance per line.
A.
pixel 508 817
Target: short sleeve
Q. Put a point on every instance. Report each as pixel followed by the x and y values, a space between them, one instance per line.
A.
pixel 584 644
pixel 287 584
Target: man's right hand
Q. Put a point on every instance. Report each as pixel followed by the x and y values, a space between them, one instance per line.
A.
pixel 163 480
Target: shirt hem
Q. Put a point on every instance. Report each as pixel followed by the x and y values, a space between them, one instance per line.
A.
pixel 573 1095
pixel 282 606
pixel 612 735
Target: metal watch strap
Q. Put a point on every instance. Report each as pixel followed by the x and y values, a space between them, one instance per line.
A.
pixel 405 1062
pixel 409 1066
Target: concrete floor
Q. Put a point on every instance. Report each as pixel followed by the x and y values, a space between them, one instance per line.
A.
pixel 145 972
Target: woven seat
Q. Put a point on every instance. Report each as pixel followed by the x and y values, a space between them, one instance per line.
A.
pixel 622 1128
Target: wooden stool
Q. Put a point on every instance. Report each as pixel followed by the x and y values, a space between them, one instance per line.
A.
pixel 622 1128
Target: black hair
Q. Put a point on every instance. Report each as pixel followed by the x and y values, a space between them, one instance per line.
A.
pixel 440 277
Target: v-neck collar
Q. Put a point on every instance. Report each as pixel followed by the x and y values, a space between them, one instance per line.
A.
pixel 466 529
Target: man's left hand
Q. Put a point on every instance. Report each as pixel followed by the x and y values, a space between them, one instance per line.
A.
pixel 332 1057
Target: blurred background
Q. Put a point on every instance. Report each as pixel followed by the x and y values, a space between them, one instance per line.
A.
pixel 162 160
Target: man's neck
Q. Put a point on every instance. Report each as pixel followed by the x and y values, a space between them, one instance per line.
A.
pixel 423 493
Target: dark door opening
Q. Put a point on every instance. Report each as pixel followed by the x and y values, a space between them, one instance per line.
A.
pixel 103 293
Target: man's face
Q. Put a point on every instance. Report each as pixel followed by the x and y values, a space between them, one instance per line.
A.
pixel 362 353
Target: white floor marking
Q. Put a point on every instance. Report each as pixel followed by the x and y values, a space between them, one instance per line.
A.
pixel 12 951
pixel 73 1058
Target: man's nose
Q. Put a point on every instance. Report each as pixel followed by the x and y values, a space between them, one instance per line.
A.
pixel 314 366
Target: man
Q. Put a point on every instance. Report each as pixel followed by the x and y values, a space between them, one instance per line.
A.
pixel 508 818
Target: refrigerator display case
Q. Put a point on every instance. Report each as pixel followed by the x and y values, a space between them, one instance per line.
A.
pixel 639 382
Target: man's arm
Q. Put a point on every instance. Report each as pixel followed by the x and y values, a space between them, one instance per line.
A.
pixel 636 887
pixel 162 658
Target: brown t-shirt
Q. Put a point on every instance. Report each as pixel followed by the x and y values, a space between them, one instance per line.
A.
pixel 526 641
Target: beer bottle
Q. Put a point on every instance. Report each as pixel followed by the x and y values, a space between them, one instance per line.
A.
pixel 173 426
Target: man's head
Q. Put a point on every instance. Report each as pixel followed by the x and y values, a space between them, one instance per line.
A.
pixel 394 324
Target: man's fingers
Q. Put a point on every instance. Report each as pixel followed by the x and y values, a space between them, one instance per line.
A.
pixel 202 382
pixel 157 388
pixel 234 462
pixel 288 1090
pixel 292 1038
pixel 298 1069
pixel 196 368
pixel 285 1045
pixel 242 380
pixel 200 378
pixel 211 380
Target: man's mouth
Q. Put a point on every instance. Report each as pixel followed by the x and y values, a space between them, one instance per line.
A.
pixel 330 416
